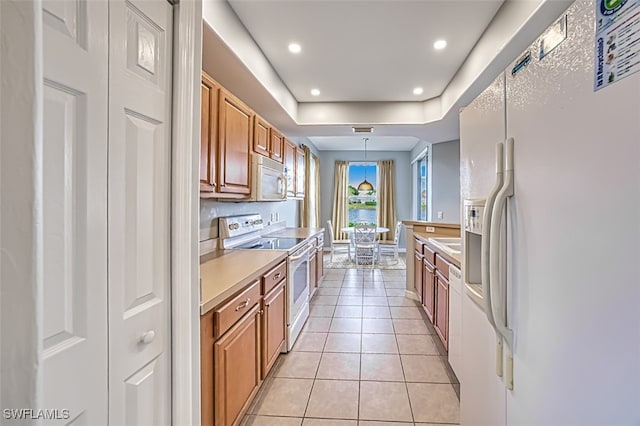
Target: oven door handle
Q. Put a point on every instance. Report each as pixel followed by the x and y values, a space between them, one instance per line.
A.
pixel 301 255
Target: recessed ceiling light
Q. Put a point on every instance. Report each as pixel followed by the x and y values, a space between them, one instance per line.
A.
pixel 294 48
pixel 418 91
pixel 315 92
pixel 440 44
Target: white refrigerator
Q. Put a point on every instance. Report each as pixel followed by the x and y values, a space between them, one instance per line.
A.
pixel 565 247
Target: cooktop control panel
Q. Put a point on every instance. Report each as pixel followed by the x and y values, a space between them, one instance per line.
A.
pixel 234 226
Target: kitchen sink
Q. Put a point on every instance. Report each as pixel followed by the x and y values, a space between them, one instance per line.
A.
pixel 451 246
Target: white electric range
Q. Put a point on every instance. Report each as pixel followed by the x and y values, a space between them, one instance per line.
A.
pixel 244 232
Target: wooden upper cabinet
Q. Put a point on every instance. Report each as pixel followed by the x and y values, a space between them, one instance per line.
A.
pixel 236 137
pixel 277 145
pixel 290 167
pixel 208 134
pixel 261 136
pixel 300 170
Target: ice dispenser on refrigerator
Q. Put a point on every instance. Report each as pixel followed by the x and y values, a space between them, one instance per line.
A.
pixel 473 218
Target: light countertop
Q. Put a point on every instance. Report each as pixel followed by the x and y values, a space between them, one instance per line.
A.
pixel 439 224
pixel 225 272
pixel 452 258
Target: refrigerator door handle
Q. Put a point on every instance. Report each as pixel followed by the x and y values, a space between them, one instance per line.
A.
pixel 485 260
pixel 498 287
pixel 486 227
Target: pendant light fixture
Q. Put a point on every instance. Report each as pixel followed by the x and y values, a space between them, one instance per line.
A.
pixel 365 185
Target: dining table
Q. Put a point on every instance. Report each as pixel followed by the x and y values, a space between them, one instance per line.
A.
pixel 351 229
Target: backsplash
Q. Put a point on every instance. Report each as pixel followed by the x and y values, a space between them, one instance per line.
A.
pixel 211 210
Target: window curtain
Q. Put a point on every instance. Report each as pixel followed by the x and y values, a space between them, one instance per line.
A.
pixel 310 211
pixel 386 215
pixel 340 201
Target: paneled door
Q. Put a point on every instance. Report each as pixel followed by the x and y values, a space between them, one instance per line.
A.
pixel 139 212
pixel 74 227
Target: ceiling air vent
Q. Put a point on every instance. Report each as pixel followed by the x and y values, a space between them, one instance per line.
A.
pixel 362 129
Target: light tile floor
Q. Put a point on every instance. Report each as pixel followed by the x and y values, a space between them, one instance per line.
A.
pixel 365 358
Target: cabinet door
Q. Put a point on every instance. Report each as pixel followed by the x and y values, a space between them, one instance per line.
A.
pixel 237 368
pixel 441 322
pixel 206 369
pixel 261 136
pixel 236 136
pixel 300 172
pixel 276 145
pixel 273 327
pixel 428 289
pixel 208 133
pixel 290 167
pixel 417 274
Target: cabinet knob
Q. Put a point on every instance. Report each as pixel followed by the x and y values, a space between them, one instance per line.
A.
pixel 276 276
pixel 148 337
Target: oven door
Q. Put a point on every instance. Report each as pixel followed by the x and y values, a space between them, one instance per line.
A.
pixel 298 292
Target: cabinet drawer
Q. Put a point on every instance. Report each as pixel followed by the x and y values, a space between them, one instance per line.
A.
pixel 226 315
pixel 442 266
pixel 273 277
pixel 429 254
pixel 428 266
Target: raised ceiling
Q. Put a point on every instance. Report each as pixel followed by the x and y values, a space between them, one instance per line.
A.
pixel 366 57
pixel 365 51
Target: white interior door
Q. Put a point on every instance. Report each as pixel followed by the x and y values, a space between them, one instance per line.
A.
pixel 140 63
pixel 75 210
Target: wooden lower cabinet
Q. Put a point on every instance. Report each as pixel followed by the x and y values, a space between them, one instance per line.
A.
pixel 417 274
pixel 428 289
pixel 206 369
pixel 236 358
pixel 240 340
pixel 273 327
pixel 441 322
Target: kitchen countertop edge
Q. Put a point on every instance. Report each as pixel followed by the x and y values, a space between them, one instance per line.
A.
pixel 266 260
pixel 449 258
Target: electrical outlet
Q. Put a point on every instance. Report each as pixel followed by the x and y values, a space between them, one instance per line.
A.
pixel 440 215
pixel 431 229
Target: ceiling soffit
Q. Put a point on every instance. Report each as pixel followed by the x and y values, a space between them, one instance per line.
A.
pixel 514 27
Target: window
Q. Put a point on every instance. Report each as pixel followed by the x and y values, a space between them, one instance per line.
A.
pixel 363 198
pixel 421 187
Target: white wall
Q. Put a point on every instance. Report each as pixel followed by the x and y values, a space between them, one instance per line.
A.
pixel 402 160
pixel 211 210
pixel 445 181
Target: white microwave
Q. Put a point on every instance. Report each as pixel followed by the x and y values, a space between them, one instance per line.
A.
pixel 268 181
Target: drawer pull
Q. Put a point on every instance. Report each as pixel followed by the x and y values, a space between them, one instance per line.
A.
pixel 276 276
pixel 243 304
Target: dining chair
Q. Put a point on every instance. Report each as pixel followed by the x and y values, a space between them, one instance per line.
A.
pixel 338 244
pixel 366 246
pixel 391 246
